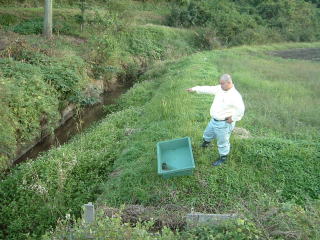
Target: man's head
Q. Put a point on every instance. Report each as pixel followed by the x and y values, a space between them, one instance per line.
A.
pixel 226 82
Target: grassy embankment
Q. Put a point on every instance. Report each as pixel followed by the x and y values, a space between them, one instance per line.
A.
pixel 115 44
pixel 266 177
pixel 271 177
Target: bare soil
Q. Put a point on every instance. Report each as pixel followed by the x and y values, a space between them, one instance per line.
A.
pixel 312 54
pixel 170 215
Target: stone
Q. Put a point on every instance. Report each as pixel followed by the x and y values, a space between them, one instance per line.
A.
pixel 89 213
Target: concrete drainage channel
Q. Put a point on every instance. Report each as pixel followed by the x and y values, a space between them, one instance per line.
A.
pixel 69 126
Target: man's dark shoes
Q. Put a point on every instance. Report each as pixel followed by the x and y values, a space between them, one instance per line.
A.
pixel 205 144
pixel 220 160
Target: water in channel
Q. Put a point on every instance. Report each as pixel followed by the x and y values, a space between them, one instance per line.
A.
pixel 72 126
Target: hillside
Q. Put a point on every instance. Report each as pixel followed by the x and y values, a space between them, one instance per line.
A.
pixel 74 67
pixel 271 180
pixel 278 165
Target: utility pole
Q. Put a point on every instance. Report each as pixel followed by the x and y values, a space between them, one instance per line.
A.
pixel 47 26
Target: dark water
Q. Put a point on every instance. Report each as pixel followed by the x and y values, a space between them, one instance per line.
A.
pixel 72 126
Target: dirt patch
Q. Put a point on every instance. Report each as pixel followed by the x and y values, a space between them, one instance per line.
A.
pixel 241 133
pixel 170 215
pixel 312 54
pixel 115 173
pixel 3 44
pixel 75 40
pixel 6 38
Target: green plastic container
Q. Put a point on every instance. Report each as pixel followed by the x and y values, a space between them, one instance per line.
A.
pixel 175 157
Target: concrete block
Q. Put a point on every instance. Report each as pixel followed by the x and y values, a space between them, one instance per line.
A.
pixel 195 219
pixel 89 213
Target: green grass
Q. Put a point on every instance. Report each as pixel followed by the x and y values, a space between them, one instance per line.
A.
pixel 278 165
pixel 64 20
pixel 46 189
pixel 280 160
pixel 278 168
pixel 112 46
pixel 279 116
pixel 279 94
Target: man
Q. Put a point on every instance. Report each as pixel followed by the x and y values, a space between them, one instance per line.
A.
pixel 226 109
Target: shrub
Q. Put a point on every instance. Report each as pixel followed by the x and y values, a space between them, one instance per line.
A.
pixel 34 88
pixel 190 15
pixel 296 20
pixel 241 229
pixel 243 22
pixel 207 38
pixel 7 135
pixel 8 19
pixel 108 228
pixel 30 104
pixel 222 17
pixel 131 71
pixel 114 228
pixel 60 181
pixel 66 75
pixel 128 54
pixel 35 26
pixel 31 26
pixel 21 51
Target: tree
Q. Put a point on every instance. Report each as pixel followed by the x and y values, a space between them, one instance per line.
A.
pixel 47 26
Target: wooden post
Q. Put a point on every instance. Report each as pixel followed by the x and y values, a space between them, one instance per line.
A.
pixel 47 26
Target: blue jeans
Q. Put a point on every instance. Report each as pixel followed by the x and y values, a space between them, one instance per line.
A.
pixel 220 130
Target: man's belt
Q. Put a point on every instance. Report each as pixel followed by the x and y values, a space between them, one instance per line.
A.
pixel 219 120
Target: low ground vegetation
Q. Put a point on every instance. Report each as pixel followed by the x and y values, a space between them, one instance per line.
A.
pixel 108 48
pixel 271 178
pixel 275 169
pixel 36 87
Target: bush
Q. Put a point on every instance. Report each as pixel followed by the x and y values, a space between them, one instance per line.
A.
pixel 207 38
pixel 31 26
pixel 295 20
pixel 243 22
pixel 132 71
pixel 221 16
pixel 66 75
pixel 45 190
pixel 8 19
pixel 7 136
pixel 108 228
pixel 35 26
pixel 191 15
pixel 241 229
pixel 30 104
pixel 128 54
pixel 35 87
pixel 33 3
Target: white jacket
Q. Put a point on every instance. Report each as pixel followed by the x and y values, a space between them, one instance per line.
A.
pixel 225 104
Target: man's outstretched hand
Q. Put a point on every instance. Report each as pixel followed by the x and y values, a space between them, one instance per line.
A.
pixel 229 119
pixel 190 90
